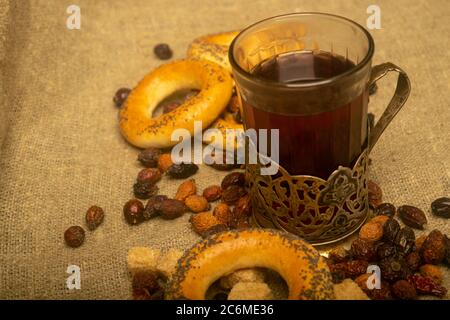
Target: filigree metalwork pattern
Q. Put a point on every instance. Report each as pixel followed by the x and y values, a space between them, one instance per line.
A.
pixel 320 211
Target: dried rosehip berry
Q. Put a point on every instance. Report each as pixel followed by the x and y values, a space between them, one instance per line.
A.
pixel 185 189
pixel 390 230
pixel 196 203
pixel 133 211
pixel 171 208
pixel 425 285
pixel 375 194
pixel 223 213
pixel 413 260
pixel 74 236
pixel 94 217
pixel 383 293
pixel 404 290
pixel 381 220
pixel 120 96
pixel 212 193
pixel 355 267
pixel 441 207
pixel 164 162
pixel 339 254
pixel 152 208
pixel 163 51
pixel 372 231
pixel 233 179
pixel 385 250
pixel 149 175
pixel 337 275
pixel 182 170
pixel 411 216
pixel 385 209
pixel 226 163
pixel 144 190
pixel 149 157
pixel 232 194
pixel 394 268
pixel 405 240
pixel 243 208
pixel 419 241
pixel 203 221
pixel 349 269
pixel 148 286
pixel 363 250
pixel 433 250
pixel 433 272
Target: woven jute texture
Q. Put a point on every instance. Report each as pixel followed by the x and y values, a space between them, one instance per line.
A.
pixel 62 150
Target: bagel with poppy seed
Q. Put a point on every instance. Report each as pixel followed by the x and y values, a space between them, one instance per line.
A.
pixel 135 118
pixel 213 48
pixel 304 270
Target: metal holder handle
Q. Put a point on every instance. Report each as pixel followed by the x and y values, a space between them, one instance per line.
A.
pixel 401 94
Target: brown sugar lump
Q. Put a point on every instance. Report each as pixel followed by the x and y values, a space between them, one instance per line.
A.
pixel 243 275
pixel 349 290
pixel 250 291
pixel 142 259
pixel 167 262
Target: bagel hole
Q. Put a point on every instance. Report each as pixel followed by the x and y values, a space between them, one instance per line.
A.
pixel 174 100
pixel 273 279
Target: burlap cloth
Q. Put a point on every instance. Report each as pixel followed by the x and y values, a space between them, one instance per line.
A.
pixel 62 151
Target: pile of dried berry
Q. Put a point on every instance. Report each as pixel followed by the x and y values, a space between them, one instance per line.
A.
pixel 408 265
pixel 156 164
pixel 232 212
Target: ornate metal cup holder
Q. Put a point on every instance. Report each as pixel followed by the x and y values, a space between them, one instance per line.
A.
pixel 320 211
pixel 323 211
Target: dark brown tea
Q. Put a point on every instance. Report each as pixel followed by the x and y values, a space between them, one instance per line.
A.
pixel 312 144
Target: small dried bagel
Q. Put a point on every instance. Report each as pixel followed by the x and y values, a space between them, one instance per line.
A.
pixel 301 266
pixel 142 130
pixel 213 48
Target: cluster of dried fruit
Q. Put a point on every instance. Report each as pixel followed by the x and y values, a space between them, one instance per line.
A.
pixel 408 265
pixel 74 235
pixel 232 212
pixel 157 163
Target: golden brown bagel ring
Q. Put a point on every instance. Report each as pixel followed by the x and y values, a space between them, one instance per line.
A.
pixel 213 48
pixel 136 122
pixel 301 266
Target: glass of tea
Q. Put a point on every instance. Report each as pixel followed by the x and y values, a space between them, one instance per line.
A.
pixel 308 75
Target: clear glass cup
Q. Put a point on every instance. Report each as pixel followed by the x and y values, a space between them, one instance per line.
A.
pixel 322 121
